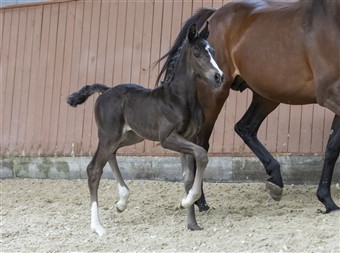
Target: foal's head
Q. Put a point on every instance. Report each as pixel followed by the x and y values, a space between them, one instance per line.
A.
pixel 201 56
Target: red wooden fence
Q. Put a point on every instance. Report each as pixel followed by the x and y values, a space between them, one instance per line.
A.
pixel 52 49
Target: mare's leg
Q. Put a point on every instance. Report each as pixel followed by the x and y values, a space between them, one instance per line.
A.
pixel 177 143
pixel 202 139
pixel 247 129
pixel 94 172
pixel 331 156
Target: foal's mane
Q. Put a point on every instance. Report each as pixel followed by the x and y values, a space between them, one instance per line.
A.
pixel 199 18
pixel 316 5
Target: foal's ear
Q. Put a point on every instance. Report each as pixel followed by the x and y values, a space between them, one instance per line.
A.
pixel 192 34
pixel 205 32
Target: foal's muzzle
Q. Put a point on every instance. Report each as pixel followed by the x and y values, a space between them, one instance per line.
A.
pixel 219 78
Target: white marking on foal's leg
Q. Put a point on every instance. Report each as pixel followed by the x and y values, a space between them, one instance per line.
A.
pixel 95 222
pixel 190 199
pixel 123 197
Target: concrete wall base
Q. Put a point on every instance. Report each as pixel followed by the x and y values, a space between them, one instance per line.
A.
pixel 295 169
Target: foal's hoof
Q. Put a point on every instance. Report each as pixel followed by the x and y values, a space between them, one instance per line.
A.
pixel 274 190
pixel 179 207
pixel 194 227
pixel 120 207
pixel 100 230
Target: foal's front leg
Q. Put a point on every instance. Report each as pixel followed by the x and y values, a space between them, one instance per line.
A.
pixel 188 178
pixel 177 143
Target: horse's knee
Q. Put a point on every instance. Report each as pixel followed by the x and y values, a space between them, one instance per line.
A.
pixel 244 132
pixel 93 172
pixel 188 178
pixel 202 157
pixel 239 128
pixel 206 145
pixel 90 169
pixel 333 145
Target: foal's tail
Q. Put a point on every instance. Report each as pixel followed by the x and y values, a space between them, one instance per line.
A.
pixel 83 94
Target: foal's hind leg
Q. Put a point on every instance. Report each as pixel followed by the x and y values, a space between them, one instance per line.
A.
pixel 247 129
pixel 123 190
pixel 94 172
pixel 128 138
pixel 331 156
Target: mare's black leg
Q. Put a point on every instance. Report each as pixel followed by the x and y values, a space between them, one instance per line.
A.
pixel 331 156
pixel 202 203
pixel 202 139
pixel 247 129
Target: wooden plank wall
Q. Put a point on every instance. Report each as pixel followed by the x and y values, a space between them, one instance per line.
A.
pixel 51 50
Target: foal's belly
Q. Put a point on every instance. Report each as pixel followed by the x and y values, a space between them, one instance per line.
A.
pixel 148 126
pixel 144 127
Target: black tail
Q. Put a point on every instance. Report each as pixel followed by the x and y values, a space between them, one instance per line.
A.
pixel 83 94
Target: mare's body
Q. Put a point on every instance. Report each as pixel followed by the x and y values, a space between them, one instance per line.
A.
pixel 285 53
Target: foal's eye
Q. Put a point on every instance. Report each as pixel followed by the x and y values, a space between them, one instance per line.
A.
pixel 196 52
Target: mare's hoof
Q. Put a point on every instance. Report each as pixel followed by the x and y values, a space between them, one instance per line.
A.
pixel 275 191
pixel 328 211
pixel 194 227
pixel 332 210
pixel 202 207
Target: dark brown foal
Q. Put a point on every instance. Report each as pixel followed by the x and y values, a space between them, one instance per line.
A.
pixel 128 113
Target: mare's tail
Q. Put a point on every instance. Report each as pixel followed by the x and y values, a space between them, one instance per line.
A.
pixel 84 93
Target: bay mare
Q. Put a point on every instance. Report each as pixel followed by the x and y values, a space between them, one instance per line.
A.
pixel 285 53
pixel 128 113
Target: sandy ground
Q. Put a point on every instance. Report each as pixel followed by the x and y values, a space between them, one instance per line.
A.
pixel 54 216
